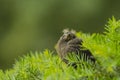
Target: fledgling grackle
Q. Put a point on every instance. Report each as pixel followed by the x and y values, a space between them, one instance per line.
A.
pixel 69 43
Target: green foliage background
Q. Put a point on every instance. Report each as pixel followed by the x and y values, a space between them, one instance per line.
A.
pixel 48 66
pixel 37 24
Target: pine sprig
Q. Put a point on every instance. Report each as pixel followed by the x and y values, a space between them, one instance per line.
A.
pixel 46 66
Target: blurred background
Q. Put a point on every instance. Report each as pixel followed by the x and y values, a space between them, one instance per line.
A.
pixel 35 25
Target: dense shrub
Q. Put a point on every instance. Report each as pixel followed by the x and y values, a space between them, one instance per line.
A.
pixel 47 66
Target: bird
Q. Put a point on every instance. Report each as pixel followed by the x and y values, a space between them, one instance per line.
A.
pixel 70 43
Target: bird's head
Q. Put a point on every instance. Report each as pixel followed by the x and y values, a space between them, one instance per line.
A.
pixel 68 35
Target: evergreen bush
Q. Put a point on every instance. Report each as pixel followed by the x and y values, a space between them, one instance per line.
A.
pixel 47 66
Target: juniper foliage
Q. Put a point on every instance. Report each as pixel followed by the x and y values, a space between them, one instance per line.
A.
pixel 46 66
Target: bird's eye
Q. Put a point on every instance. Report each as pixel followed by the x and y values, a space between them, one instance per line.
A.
pixel 74 36
pixel 68 37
